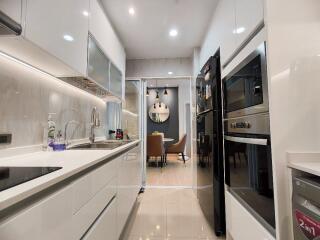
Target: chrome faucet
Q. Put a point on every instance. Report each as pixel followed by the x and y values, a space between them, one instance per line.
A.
pixel 66 129
pixel 95 122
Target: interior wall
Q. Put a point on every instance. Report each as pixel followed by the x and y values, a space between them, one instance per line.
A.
pixel 170 128
pixel 26 98
pixel 184 96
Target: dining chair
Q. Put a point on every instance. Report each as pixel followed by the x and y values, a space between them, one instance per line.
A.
pixel 155 148
pixel 177 148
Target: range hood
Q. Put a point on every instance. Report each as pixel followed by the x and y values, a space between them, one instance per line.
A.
pixel 9 26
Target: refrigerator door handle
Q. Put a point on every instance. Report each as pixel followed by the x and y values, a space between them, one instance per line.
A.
pixel 255 141
pixel 204 112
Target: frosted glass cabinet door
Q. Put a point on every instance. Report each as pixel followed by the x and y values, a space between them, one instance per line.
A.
pixel 115 81
pixel 98 64
pixel 60 27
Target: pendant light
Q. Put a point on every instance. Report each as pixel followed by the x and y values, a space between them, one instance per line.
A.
pixel 147 92
pixel 157 97
pixel 165 91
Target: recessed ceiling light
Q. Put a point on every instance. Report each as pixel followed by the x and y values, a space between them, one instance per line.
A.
pixel 132 11
pixel 173 32
pixel 68 38
pixel 170 73
pixel 85 13
pixel 239 30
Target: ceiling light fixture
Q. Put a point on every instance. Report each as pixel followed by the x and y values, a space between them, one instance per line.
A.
pixel 157 97
pixel 170 73
pixel 239 30
pixel 173 33
pixel 85 13
pixel 147 92
pixel 68 38
pixel 165 91
pixel 132 11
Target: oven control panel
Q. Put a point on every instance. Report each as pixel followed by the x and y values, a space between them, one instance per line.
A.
pixel 240 125
pixel 252 124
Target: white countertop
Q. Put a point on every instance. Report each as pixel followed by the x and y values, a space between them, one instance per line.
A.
pixel 71 161
pixel 307 162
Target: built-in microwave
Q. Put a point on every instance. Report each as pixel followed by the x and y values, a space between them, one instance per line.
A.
pixel 248 166
pixel 245 88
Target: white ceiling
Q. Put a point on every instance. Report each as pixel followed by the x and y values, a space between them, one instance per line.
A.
pixel 146 34
pixel 167 82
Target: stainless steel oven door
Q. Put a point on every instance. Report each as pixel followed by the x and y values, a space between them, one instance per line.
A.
pixel 248 166
pixel 246 87
pixel 248 173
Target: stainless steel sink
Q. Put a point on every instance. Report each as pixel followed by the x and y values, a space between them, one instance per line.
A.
pixel 107 145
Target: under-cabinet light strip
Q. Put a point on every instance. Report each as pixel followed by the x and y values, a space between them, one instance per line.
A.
pixel 11 58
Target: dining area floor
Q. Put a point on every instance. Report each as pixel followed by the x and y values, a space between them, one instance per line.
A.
pixel 168 214
pixel 174 173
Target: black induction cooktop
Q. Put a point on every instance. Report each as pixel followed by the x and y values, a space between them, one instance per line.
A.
pixel 13 176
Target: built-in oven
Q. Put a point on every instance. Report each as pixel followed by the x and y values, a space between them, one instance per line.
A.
pixel 245 88
pixel 248 166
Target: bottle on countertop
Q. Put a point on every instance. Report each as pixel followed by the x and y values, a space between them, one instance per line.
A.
pixel 51 130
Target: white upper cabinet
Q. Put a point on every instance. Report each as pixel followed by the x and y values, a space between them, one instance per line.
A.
pixel 61 28
pixel 226 25
pixel 249 14
pixel 49 219
pixel 12 8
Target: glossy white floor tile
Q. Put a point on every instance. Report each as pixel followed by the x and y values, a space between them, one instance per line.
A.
pixel 175 173
pixel 168 214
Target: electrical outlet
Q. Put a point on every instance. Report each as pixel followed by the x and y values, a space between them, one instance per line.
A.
pixel 5 138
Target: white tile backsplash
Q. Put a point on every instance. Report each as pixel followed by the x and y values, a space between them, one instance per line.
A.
pixel 26 98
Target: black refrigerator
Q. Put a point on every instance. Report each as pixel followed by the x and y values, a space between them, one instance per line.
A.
pixel 210 172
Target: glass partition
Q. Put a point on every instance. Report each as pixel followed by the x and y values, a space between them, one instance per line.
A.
pixel 131 109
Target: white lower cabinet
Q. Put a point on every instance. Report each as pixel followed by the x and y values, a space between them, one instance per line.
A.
pixel 48 219
pixel 241 225
pixel 105 226
pixel 129 184
pixel 95 206
pixel 87 215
